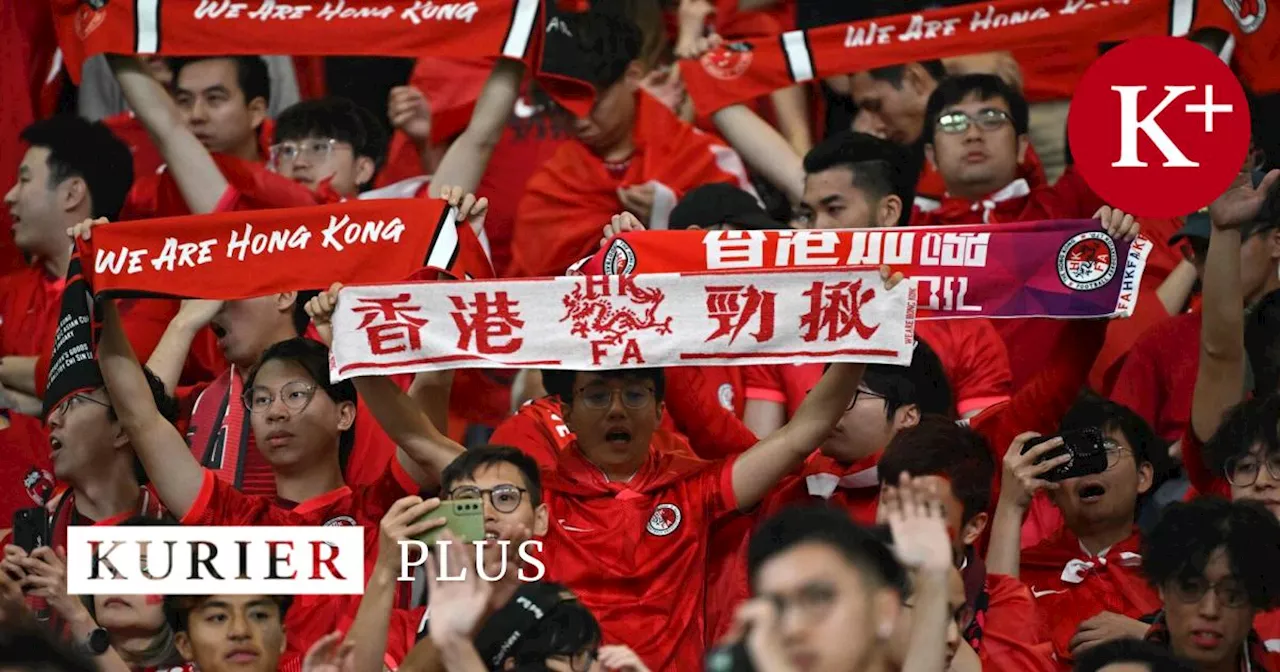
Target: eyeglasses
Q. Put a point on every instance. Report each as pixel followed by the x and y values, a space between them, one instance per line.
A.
pixel 313 151
pixel 1243 471
pixel 77 400
pixel 599 397
pixel 988 119
pixel 1191 590
pixel 504 498
pixel 1114 452
pixel 295 395
pixel 862 393
pixel 811 602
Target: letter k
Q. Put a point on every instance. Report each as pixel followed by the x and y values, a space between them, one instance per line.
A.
pixel 1130 125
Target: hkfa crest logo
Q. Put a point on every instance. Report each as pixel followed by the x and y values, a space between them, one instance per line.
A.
pixel 728 61
pixel 664 521
pixel 620 259
pixel 39 485
pixel 1087 261
pixel 1249 14
pixel 606 309
pixel 725 394
pixel 340 521
pixel 89 16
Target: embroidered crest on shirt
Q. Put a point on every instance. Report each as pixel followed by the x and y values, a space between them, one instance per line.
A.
pixel 725 395
pixel 1087 261
pixel 1249 14
pixel 664 521
pixel 340 521
pixel 728 61
pixel 39 485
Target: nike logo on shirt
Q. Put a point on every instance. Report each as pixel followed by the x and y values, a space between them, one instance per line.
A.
pixel 1041 593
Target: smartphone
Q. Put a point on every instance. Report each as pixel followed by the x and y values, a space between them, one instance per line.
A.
pixel 464 518
pixel 1087 451
pixel 30 528
pixel 729 658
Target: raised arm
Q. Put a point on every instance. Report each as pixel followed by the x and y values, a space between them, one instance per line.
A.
pixel 464 163
pixel 763 148
pixel 199 180
pixel 170 355
pixel 422 449
pixel 1020 481
pixel 1220 376
pixel 918 523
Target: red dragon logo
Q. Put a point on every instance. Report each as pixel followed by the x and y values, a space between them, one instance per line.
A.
pixel 606 314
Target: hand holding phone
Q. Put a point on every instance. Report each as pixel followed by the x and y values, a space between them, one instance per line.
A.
pixel 463 517
pixel 30 528
pixel 1085 448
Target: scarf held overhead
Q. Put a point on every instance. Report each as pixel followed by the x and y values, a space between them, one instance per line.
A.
pixel 407 28
pixel 72 367
pixel 1060 268
pixel 241 255
pixel 741 71
pixel 620 322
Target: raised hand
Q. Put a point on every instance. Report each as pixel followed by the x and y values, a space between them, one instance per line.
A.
pixel 916 518
pixel 320 308
pixel 47 578
pixel 1242 202
pixel 199 312
pixel 330 654
pixel 1021 479
pixel 84 229
pixel 471 210
pixel 620 223
pixel 622 659
pixel 638 199
pixel 1117 224
pixel 408 110
pixel 456 606
pixel 406 519
pixel 890 278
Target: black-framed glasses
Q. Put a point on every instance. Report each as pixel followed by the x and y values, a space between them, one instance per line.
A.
pixel 598 397
pixel 859 393
pixel 1242 471
pixel 313 151
pixel 1192 589
pixel 503 498
pixel 78 400
pixel 988 119
pixel 811 602
pixel 295 395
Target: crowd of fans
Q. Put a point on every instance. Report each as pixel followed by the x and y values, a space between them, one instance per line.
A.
pixel 824 518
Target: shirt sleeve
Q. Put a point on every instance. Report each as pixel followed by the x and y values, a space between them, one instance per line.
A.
pixel 521 431
pixel 981 375
pixel 395 484
pixel 1139 386
pixel 1202 478
pixel 764 382
pixel 218 503
pixel 712 487
pixel 713 430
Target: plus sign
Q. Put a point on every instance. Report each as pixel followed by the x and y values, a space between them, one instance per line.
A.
pixel 1208 109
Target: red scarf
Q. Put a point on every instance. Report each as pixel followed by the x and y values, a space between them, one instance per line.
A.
pixel 406 28
pixel 213 256
pixel 742 71
pixel 572 195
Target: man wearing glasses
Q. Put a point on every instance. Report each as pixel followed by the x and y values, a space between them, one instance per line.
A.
pixel 1087 577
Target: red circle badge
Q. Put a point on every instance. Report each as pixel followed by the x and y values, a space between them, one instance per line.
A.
pixel 1159 127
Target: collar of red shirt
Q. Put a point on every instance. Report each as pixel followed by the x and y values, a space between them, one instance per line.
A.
pixel 576 475
pixel 823 475
pixel 959 206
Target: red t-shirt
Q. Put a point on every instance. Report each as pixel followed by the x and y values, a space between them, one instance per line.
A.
pixel 1267 624
pixel 636 552
pixel 1010 637
pixel 1159 375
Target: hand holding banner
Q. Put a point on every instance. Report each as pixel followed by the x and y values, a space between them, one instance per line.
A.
pixel 620 322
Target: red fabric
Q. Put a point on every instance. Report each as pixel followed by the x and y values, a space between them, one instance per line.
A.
pixel 932 187
pixel 1010 637
pixel 1257 42
pixel 573 194
pixel 694 402
pixel 1115 584
pixel 309 70
pixel 1203 481
pixel 1051 73
pixel 646 589
pixel 1267 625
pixel 1159 375
pixel 311 616
pixel 146 158
pixel 537 430
pixel 30 300
pixel 256 188
pixel 26 473
pixel 66 514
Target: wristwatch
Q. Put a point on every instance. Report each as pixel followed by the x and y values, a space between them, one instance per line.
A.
pixel 96 643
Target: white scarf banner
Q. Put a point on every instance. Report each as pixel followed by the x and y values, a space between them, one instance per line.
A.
pixel 621 322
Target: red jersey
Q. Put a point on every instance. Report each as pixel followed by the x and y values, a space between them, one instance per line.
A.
pixel 1158 377
pixel 30 301
pixel 1267 625
pixel 130 131
pixel 636 552
pixel 537 430
pixel 1070 586
pixel 972 355
pixel 1010 636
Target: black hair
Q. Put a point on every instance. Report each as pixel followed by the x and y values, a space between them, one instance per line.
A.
pixel 29 647
pixel 467 464
pixel 168 407
pixel 880 167
pixel 1092 410
pixel 252 75
pixel 1157 658
pixel 1188 533
pixel 894 74
pixel 1262 344
pixel 953 90
pixel 937 446
pixel 301 320
pixel 178 608
pixel 923 382
pixel 87 150
pixel 567 630
pixel 1247 424
pixel 337 118
pixel 561 383
pixel 793 526
pixel 609 41
pixel 313 357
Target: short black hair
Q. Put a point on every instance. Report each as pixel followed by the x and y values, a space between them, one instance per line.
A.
pixel 568 629
pixel 560 383
pixel 87 150
pixel 938 446
pixel 166 404
pixel 1181 543
pixel 923 382
pixel 860 546
pixel 29 647
pixel 609 41
pixel 178 608
pixel 251 74
pixel 1262 344
pixel 894 74
pixel 1247 424
pixel 879 167
pixel 337 118
pixel 301 320
pixel 953 90
pixel 313 357
pixel 1093 410
pixel 1157 658
pixel 467 464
